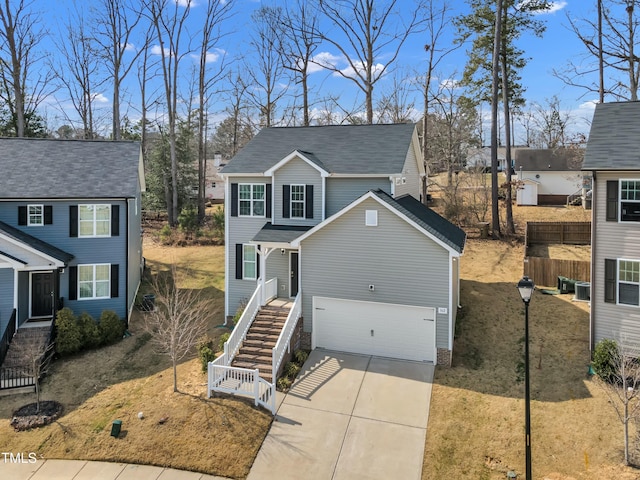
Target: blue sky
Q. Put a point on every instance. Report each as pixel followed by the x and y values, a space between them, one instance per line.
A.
pixel 554 50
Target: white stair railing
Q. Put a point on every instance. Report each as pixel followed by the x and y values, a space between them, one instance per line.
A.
pixel 284 339
pixel 232 345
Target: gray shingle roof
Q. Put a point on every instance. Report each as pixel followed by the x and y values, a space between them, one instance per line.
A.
pixel 548 159
pixel 279 233
pixel 50 168
pixel 429 220
pixel 614 139
pixel 341 149
pixel 34 242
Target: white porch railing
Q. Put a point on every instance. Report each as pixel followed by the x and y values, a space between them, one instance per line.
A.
pixel 241 381
pixel 232 345
pixel 270 290
pixel 283 344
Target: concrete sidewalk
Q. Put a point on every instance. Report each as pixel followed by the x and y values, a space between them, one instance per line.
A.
pixel 85 470
pixel 349 417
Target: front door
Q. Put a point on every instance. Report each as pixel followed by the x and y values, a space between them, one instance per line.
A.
pixel 293 269
pixel 42 291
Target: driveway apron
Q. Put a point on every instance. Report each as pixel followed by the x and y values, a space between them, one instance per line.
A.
pixel 349 417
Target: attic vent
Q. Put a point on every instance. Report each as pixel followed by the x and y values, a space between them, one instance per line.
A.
pixel 371 218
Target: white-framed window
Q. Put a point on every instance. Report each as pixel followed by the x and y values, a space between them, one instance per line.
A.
pixel 251 198
pixel 94 281
pixel 297 201
pixel 249 262
pixel 630 200
pixel 35 215
pixel 94 220
pixel 629 282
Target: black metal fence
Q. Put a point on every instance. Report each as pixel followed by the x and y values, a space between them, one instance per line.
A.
pixel 16 377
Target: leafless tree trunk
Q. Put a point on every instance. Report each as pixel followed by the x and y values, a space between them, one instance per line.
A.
pixel 600 55
pixel 623 388
pixel 495 89
pixel 366 30
pixel 115 22
pixel 507 135
pixel 216 14
pixel 169 24
pixel 33 352
pixel 23 87
pixel 180 318
pixel 396 104
pixel 79 76
pixel 267 71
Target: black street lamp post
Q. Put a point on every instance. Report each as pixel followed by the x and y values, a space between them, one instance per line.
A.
pixel 525 287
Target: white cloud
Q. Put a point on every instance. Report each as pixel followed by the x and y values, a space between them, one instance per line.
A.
pixel 323 60
pixel 211 57
pixel 129 47
pixel 359 68
pixel 449 84
pixel 185 3
pixel 100 98
pixel 156 50
pixel 553 6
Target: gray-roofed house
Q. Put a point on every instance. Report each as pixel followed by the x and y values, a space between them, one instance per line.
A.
pixel 548 176
pixel 613 157
pixel 70 231
pixel 330 218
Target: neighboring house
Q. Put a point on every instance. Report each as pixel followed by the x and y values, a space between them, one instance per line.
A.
pixel 613 157
pixel 481 158
pixel 548 176
pixel 333 213
pixel 214 190
pixel 70 231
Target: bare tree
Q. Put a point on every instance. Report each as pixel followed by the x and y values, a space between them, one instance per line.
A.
pixel 267 72
pixel 24 83
pixel 301 42
pixel 114 25
pixel 396 104
pixel 168 19
pixel 551 123
pixel 33 352
pixel 611 40
pixel 623 386
pixel 180 318
pixel 367 29
pixel 217 13
pixel 78 73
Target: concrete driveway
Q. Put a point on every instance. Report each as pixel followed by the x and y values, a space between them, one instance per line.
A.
pixel 349 417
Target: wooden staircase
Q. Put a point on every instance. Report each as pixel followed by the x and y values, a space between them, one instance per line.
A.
pixel 25 338
pixel 261 338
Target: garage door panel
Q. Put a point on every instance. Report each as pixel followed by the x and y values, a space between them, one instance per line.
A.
pixel 373 328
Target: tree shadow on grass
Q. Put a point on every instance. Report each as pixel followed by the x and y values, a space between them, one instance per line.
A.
pixel 488 355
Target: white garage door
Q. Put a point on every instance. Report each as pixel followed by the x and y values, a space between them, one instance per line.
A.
pixel 372 328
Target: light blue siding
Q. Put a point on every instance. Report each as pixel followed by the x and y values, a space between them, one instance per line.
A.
pixel 410 179
pixel 278 266
pixel 406 267
pixel 342 191
pixel 297 171
pixel 134 253
pixel 6 297
pixel 23 296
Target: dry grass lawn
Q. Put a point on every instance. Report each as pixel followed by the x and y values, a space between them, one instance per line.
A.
pixel 476 422
pixel 218 436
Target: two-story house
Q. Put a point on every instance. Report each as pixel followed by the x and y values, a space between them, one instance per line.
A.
pixel 70 229
pixel 331 216
pixel 613 156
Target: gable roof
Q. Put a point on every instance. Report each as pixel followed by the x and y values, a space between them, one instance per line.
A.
pixel 614 139
pixel 548 159
pixel 411 210
pixel 35 243
pixel 339 149
pixel 52 168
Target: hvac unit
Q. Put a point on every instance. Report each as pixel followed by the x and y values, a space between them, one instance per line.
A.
pixel 583 291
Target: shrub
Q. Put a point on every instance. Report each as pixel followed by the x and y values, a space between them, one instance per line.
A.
pixel 241 306
pixel 111 327
pixel 604 359
pixel 223 338
pixel 69 336
pixel 217 222
pixel 89 331
pixel 166 235
pixel 206 353
pixel 188 221
pixel 283 384
pixel 291 369
pixel 300 356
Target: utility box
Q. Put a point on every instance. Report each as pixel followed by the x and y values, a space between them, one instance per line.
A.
pixel 116 426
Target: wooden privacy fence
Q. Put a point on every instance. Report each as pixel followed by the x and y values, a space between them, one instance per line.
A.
pixel 575 233
pixel 545 271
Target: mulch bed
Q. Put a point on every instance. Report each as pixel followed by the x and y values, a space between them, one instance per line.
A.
pixel 28 417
